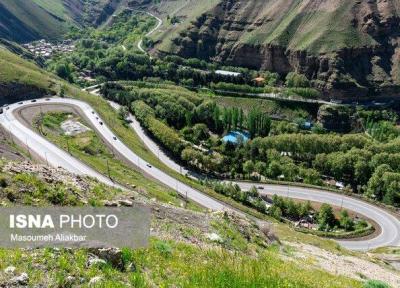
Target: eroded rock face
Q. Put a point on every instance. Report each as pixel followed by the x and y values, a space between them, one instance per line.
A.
pixel 349 48
pixel 14 92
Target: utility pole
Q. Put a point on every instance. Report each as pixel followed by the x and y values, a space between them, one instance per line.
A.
pixel 47 161
pixel 41 120
pixel 112 150
pixel 68 147
pixel 29 151
pixel 108 170
pixel 12 139
pixel 3 132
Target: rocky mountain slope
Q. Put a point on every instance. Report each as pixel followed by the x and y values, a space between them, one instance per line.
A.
pixel 27 20
pixel 349 48
pixel 228 249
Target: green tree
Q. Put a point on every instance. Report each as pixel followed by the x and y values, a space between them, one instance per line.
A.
pixel 62 91
pixel 294 79
pixel 376 184
pixel 253 192
pixel 326 218
pixel 248 167
pixel 260 167
pixel 274 169
pixel 64 71
pixel 276 212
pixel 345 221
pixel 200 132
pixel 293 210
pixel 305 209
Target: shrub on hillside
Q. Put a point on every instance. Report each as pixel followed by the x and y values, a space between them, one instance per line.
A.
pixel 375 284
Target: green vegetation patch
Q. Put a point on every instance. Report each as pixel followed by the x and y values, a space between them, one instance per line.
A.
pixel 88 147
pixel 16 70
pixel 216 268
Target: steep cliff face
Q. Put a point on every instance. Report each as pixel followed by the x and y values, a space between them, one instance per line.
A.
pixel 349 48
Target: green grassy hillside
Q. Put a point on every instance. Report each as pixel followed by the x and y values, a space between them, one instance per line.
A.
pixel 316 26
pixel 19 71
pixel 303 25
pixel 243 258
pixel 348 47
pixel 24 20
pixel 184 10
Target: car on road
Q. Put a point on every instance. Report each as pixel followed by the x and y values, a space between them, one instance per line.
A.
pixel 33 101
pixel 101 123
pixel 20 103
pixel 260 187
pixel 148 165
pixel 115 138
pixel 92 112
pixel 47 99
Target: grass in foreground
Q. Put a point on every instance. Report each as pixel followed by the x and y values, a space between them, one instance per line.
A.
pixel 218 268
pixel 238 261
pixel 171 264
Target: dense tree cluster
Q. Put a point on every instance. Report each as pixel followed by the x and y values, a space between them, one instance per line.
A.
pixel 325 217
pixel 289 209
pixel 251 198
pixel 109 53
pixel 191 126
pixel 184 109
pixel 167 136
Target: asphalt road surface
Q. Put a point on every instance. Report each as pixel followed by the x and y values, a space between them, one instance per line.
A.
pixel 57 157
pixel 42 148
pixel 389 224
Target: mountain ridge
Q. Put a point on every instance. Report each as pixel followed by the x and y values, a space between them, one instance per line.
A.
pixel 348 49
pixel 27 20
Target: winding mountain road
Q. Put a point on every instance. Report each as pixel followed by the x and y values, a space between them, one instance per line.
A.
pixel 57 157
pixel 389 224
pixel 160 22
pixel 42 148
